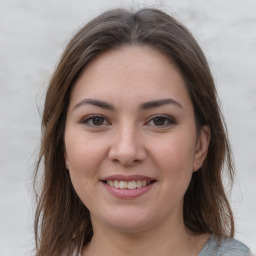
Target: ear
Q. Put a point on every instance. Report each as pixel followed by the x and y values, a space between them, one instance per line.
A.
pixel 202 145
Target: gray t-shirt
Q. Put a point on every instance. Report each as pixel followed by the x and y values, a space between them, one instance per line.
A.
pixel 224 247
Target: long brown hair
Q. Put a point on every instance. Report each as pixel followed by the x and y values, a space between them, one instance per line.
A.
pixel 62 221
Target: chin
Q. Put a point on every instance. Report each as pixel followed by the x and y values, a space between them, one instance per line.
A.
pixel 129 221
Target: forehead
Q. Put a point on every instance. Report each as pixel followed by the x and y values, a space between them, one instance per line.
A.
pixel 130 72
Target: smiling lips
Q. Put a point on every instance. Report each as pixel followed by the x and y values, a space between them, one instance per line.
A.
pixel 127 187
pixel 128 184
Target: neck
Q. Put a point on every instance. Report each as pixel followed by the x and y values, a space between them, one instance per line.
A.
pixel 164 240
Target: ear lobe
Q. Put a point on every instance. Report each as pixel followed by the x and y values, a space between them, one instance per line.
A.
pixel 203 142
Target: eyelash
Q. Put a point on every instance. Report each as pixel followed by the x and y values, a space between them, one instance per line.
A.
pixel 168 121
pixel 89 121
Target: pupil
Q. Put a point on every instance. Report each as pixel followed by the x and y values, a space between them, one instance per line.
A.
pixel 98 121
pixel 159 121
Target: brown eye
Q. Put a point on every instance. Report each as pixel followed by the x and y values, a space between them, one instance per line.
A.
pixel 161 121
pixel 95 121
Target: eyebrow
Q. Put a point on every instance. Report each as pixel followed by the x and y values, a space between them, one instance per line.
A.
pixel 159 103
pixel 143 106
pixel 98 103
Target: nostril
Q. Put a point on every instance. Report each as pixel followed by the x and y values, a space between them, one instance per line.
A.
pixel 126 150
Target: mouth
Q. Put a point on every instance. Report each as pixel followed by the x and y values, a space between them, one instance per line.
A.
pixel 133 184
pixel 128 187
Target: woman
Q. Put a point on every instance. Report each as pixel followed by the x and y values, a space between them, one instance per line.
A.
pixel 134 145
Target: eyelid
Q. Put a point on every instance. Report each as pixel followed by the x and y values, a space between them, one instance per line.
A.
pixel 88 118
pixel 171 120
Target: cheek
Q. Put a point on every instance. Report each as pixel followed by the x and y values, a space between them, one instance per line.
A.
pixel 85 157
pixel 84 164
pixel 174 159
pixel 176 152
pixel 83 153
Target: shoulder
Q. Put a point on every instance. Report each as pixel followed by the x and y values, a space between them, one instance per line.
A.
pixel 225 247
pixel 237 248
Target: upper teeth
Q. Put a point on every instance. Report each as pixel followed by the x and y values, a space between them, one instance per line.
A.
pixel 128 184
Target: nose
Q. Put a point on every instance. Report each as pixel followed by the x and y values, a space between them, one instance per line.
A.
pixel 127 147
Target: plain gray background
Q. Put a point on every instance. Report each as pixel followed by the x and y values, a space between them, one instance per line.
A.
pixel 33 34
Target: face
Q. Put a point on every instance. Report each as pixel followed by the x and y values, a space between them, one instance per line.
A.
pixel 131 139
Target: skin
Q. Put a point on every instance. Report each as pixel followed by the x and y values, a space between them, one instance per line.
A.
pixel 160 142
